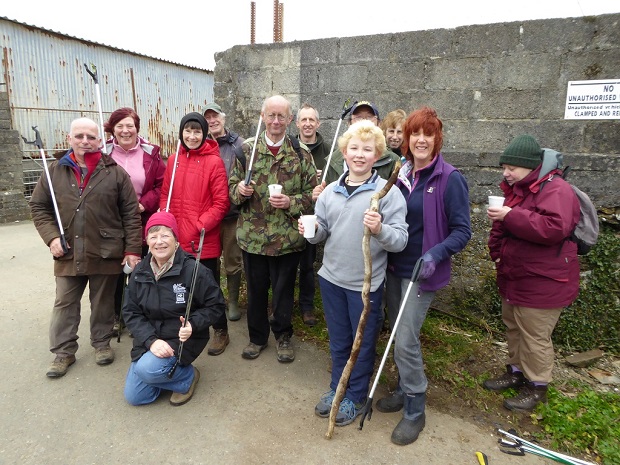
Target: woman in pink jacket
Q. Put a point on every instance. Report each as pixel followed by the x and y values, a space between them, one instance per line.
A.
pixel 537 267
pixel 199 199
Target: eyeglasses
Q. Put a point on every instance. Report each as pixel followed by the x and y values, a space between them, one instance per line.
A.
pixel 356 118
pixel 271 118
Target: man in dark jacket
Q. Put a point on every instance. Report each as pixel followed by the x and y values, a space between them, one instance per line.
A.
pixel 98 210
pixel 308 123
pixel 227 141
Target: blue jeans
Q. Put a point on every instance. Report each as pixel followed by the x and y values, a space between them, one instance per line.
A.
pixel 148 376
pixel 343 309
pixel 407 350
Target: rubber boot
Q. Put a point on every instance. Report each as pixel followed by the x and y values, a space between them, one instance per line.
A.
pixel 413 421
pixel 392 403
pixel 233 283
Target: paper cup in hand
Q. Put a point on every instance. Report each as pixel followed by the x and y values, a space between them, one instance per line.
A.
pixel 309 222
pixel 275 189
pixel 495 201
pixel 127 269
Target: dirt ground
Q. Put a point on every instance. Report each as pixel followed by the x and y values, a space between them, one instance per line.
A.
pixel 243 412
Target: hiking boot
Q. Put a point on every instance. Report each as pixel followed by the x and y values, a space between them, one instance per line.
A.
pixel 510 379
pixel 104 355
pixel 348 412
pixel 60 365
pixel 324 406
pixel 392 403
pixel 233 283
pixel 252 351
pixel 285 350
pixel 177 398
pixel 528 398
pixel 414 419
pixel 309 318
pixel 219 342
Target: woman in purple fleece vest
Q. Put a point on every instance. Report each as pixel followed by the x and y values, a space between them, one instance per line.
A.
pixel 438 218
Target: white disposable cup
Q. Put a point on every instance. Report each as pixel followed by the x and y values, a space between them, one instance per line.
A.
pixel 495 201
pixel 275 189
pixel 309 222
pixel 127 269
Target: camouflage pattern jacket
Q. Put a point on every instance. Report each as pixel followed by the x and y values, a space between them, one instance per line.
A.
pixel 262 229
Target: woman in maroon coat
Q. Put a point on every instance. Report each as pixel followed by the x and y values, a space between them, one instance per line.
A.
pixel 537 267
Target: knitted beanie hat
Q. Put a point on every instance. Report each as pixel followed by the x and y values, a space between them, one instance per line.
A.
pixel 163 218
pixel 198 118
pixel 523 151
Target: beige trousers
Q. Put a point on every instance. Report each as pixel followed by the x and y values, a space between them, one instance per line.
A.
pixel 528 334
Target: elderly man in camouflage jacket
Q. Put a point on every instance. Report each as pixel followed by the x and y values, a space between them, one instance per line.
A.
pixel 267 225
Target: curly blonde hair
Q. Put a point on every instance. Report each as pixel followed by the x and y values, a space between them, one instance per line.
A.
pixel 365 130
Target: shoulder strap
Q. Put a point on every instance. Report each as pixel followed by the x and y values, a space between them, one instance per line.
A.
pixel 295 143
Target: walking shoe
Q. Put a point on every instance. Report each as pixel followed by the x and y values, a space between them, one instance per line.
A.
pixel 309 318
pixel 392 403
pixel 528 398
pixel 285 350
pixel 252 351
pixel 104 355
pixel 508 380
pixel 60 365
pixel 348 412
pixel 219 342
pixel 177 398
pixel 324 406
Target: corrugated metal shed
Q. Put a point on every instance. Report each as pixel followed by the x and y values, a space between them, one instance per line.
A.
pixel 48 85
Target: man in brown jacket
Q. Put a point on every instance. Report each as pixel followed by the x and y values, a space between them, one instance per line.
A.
pixel 99 213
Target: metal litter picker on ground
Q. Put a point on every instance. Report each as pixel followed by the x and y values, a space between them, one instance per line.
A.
pixel 39 144
pixel 515 445
pixel 189 301
pixel 414 278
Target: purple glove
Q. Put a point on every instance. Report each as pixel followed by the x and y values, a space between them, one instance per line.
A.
pixel 428 266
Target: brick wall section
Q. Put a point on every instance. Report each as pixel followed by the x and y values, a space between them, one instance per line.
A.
pixel 488 84
pixel 13 205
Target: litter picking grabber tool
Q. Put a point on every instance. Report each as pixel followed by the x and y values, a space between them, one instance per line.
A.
pixel 93 74
pixel 174 171
pixel 248 176
pixel 346 109
pixel 39 144
pixel 415 275
pixel 518 446
pixel 189 301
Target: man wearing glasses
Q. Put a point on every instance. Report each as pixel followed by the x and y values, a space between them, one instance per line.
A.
pixel 267 225
pixel 362 110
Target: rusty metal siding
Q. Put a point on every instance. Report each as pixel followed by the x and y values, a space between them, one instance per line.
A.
pixel 48 86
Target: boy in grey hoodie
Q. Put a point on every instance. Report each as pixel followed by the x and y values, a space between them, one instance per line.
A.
pixel 342 211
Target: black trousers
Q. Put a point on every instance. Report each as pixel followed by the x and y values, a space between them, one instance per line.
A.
pixel 306 278
pixel 277 273
pixel 213 265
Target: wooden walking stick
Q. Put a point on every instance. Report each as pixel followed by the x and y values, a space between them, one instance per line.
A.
pixel 359 334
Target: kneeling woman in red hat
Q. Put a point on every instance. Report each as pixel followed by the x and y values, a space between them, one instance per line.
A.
pixel 154 312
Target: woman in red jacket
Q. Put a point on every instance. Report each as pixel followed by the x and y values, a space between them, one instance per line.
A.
pixel 199 199
pixel 537 267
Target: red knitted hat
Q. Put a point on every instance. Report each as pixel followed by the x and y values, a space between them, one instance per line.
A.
pixel 163 218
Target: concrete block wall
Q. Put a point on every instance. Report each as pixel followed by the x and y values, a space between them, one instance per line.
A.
pixel 13 205
pixel 488 84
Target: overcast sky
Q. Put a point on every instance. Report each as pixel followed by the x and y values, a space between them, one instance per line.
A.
pixel 191 32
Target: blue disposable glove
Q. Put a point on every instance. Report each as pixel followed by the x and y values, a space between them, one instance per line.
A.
pixel 428 266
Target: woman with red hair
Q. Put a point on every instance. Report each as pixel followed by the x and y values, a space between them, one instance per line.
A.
pixel 145 167
pixel 438 221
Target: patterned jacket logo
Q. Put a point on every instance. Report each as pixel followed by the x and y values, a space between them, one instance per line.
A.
pixel 180 291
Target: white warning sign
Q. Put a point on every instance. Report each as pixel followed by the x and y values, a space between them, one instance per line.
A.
pixel 593 99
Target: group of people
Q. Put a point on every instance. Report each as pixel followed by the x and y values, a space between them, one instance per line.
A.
pixel 119 204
